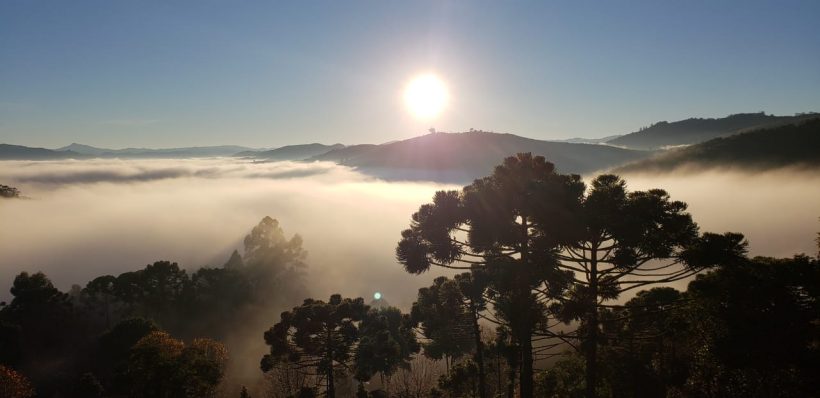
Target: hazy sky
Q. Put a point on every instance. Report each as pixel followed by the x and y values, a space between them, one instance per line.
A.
pixel 263 73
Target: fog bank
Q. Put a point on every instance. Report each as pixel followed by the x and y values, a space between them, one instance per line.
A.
pixel 88 218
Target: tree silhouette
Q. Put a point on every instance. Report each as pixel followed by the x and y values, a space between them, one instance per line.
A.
pixel 161 366
pixel 115 349
pixel 500 224
pixel 549 246
pixel 271 259
pixel 755 328
pixel 41 322
pixel 316 336
pixel 614 241
pixel 449 313
pixel 444 322
pixel 386 343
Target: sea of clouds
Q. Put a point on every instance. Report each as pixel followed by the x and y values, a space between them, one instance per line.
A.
pixel 82 219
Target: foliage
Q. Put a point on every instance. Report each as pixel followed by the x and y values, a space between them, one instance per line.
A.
pixel 386 343
pixel 461 381
pixel 14 385
pixel 88 387
pixel 445 323
pixel 161 366
pixel 788 145
pixel 756 329
pixel 316 336
pixel 564 380
pixel 548 246
pixel 502 225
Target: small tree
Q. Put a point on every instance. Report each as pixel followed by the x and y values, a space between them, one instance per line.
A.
pixel 387 343
pixel 317 336
pixel 444 322
pixel 449 313
pixel 161 366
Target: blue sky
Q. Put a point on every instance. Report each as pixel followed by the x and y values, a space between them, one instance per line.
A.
pixel 264 73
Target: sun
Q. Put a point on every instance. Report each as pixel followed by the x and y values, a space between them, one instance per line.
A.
pixel 426 96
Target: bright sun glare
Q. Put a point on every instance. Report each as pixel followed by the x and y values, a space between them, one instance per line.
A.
pixel 426 96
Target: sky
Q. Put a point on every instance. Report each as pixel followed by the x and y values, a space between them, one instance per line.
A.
pixel 265 74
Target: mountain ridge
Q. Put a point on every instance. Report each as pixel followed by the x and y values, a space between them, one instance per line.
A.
pixel 691 131
pixel 460 157
pixel 791 145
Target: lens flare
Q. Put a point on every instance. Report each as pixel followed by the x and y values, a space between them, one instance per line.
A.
pixel 426 96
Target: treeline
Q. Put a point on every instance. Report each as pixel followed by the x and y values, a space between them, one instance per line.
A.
pixel 792 145
pixel 125 335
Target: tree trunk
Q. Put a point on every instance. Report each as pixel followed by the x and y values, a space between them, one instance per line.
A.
pixel 479 353
pixel 526 367
pixel 525 380
pixel 331 389
pixel 511 380
pixel 592 338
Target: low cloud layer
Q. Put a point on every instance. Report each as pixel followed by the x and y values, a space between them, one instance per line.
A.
pixel 88 218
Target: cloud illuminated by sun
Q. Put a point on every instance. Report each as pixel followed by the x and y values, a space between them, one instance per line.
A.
pixel 426 96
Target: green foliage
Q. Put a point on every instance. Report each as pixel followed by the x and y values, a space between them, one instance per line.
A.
pixel 566 379
pixel 547 246
pixel 115 349
pixel 462 381
pixel 42 325
pixel 316 335
pixel 445 322
pixel 788 145
pixel 161 366
pixel 504 225
pixel 42 328
pixel 387 342
pixel 755 329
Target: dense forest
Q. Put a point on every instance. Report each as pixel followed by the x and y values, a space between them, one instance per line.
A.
pixel 554 288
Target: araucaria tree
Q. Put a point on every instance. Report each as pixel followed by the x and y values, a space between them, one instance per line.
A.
pixel 316 337
pixel 449 312
pixel 615 241
pixel 500 225
pixel 549 247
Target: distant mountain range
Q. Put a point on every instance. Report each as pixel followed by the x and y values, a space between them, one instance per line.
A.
pixel 795 145
pixel 291 152
pixel 203 151
pixel 461 157
pixel 18 152
pixel 692 131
